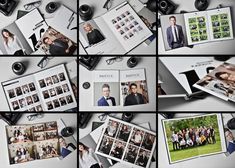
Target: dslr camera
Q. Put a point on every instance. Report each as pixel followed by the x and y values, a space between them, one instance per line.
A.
pixel 166 7
pixel 89 62
pixel 7 6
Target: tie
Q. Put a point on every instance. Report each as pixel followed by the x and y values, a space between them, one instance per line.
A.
pixel 177 39
pixel 108 98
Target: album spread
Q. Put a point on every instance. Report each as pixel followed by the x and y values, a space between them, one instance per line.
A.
pixel 116 32
pixel 220 82
pixel 193 137
pixel 177 75
pixel 115 88
pixel 32 142
pixel 126 143
pixel 47 90
pixel 180 30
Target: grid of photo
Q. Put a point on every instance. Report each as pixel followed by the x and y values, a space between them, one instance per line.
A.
pixel 198 29
pixel 31 142
pixel 56 91
pixel 126 25
pixel 25 98
pixel 122 141
pixel 220 24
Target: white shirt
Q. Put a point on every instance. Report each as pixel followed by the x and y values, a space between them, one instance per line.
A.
pixel 13 45
pixel 173 32
pixel 109 101
pixel 87 159
pixel 138 138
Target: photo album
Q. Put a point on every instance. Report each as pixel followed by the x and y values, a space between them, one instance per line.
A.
pixel 193 137
pixel 32 142
pixel 126 143
pixel 220 82
pixel 47 90
pixel 120 88
pixel 181 30
pixel 177 76
pixel 116 32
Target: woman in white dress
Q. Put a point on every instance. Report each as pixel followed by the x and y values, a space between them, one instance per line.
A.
pixel 87 157
pixel 11 43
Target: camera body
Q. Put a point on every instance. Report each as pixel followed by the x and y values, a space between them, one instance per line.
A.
pixel 7 6
pixel 89 62
pixel 166 7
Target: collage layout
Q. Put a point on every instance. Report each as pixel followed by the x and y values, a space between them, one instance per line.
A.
pixel 126 25
pixel 31 142
pixel 128 143
pixel 55 91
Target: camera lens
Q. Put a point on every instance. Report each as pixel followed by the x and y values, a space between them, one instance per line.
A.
pixel 163 4
pixel 86 58
pixel 85 12
pixel 84 8
pixel 3 2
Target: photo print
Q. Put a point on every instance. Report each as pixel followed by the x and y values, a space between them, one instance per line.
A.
pixel 193 137
pixel 125 142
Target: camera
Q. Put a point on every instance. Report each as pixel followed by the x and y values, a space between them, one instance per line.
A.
pixel 89 62
pixel 166 7
pixel 7 6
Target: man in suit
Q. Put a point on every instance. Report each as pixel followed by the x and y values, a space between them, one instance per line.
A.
pixel 175 35
pixel 231 142
pixel 134 98
pixel 106 100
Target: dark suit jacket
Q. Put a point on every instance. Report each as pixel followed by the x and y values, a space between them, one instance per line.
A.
pixel 94 37
pixel 231 147
pixel 103 102
pixel 58 47
pixel 170 37
pixel 131 100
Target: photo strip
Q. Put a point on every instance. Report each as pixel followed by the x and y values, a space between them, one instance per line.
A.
pixel 193 137
pixel 125 142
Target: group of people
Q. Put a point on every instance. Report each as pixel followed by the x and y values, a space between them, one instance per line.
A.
pixel 22 155
pixel 191 137
pixel 19 136
pixel 48 151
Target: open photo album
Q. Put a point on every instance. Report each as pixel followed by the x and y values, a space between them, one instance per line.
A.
pixel 126 143
pixel 116 32
pixel 124 87
pixel 220 82
pixel 192 137
pixel 32 142
pixel 47 90
pixel 180 30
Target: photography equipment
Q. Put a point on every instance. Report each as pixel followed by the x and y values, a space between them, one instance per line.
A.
pixel 84 119
pixel 85 12
pixel 86 85
pixel 114 59
pixel 166 7
pixel 168 115
pixel 231 123
pixel 89 62
pixel 44 61
pixel 201 5
pixel 127 117
pixel 222 58
pixel 51 7
pixel 7 6
pixel 132 62
pixel 67 131
pixel 32 5
pixel 18 68
pixel 10 118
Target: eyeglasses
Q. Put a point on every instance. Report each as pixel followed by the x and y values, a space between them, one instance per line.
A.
pixel 103 116
pixel 107 4
pixel 114 59
pixel 32 5
pixel 44 61
pixel 34 116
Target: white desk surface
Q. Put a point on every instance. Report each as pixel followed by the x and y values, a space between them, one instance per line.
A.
pixel 220 47
pixel 139 118
pixel 99 10
pixel 213 161
pixel 7 73
pixel 6 20
pixel 69 162
pixel 85 95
